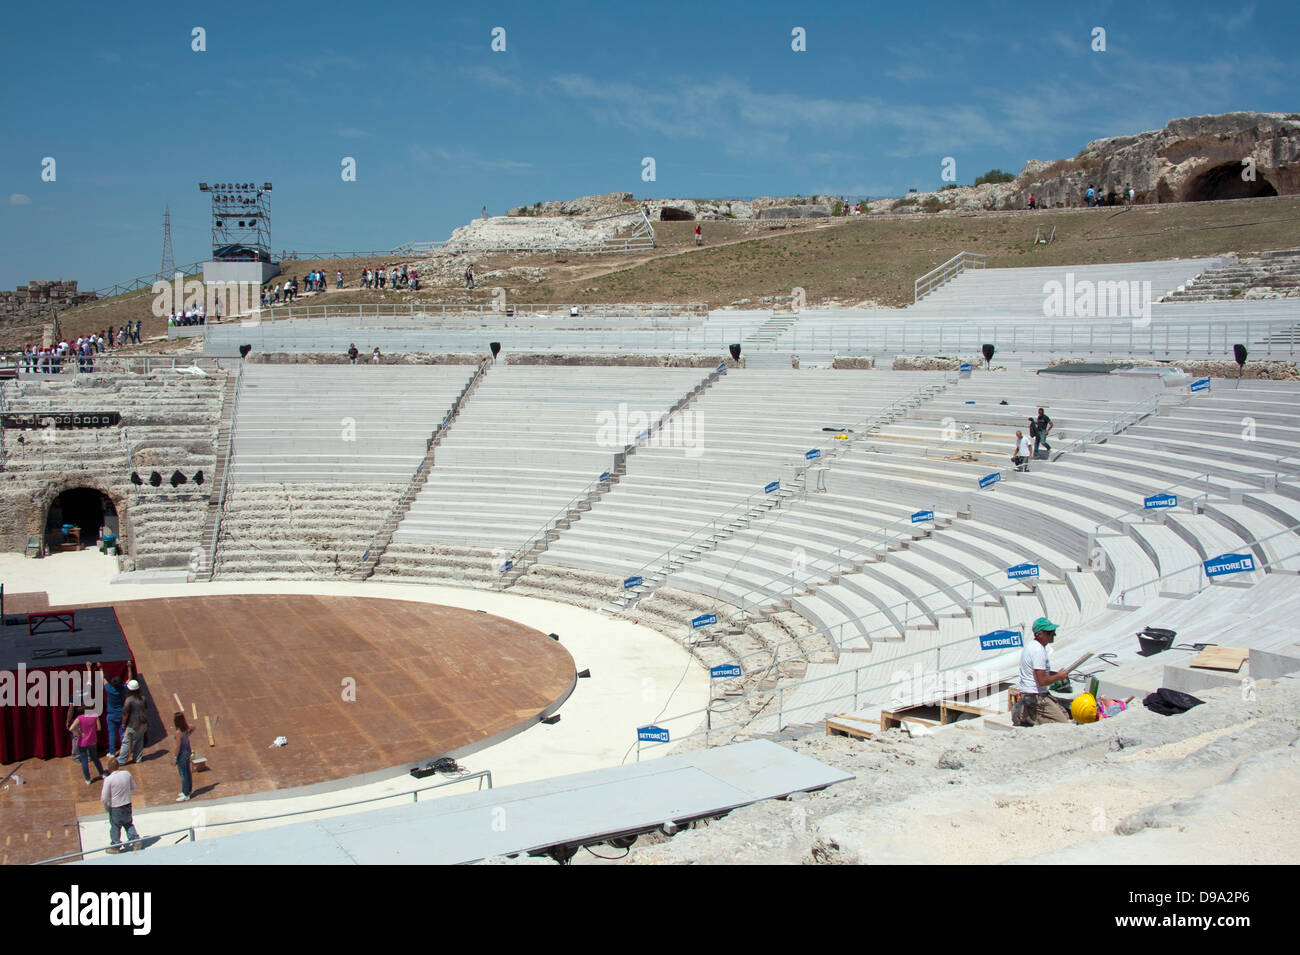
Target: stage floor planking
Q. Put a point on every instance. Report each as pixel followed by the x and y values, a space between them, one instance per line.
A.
pixel 427 680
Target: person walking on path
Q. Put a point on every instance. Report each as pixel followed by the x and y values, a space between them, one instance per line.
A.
pixel 1036 704
pixel 86 728
pixel 699 236
pixel 469 276
pixel 183 757
pixel 116 797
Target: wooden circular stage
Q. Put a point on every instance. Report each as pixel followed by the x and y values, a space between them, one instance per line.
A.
pixel 356 685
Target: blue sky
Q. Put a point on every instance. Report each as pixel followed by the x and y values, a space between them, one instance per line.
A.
pixel 440 125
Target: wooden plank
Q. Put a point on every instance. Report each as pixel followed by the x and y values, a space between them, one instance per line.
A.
pixel 1221 658
pixel 889 721
pixel 842 724
pixel 208 721
pixel 180 707
pixel 946 707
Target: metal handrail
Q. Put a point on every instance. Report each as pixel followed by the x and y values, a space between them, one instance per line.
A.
pixel 225 476
pixel 833 634
pixel 844 554
pixel 429 309
pixel 452 413
pixel 588 492
pixel 664 560
pixel 943 273
pixel 1139 412
pixel 1201 565
pixel 778 691
pixel 190 830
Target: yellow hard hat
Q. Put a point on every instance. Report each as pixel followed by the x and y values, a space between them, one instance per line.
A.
pixel 1084 708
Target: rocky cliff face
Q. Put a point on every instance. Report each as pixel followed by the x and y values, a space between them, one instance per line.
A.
pixel 670 210
pixel 1225 156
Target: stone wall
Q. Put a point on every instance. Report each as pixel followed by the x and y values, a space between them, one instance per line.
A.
pixel 32 303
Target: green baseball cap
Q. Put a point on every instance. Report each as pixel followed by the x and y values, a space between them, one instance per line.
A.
pixel 1042 623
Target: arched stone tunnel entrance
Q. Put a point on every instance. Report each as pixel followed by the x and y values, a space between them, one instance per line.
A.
pixel 88 509
pixel 1224 182
pixel 82 499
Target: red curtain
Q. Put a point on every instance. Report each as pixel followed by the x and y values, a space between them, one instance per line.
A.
pixel 42 731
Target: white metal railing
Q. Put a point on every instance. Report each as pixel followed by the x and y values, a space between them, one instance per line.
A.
pixel 364 310
pixel 412 484
pixel 1207 581
pixel 1120 422
pixel 707 714
pixel 225 476
pixel 898 614
pixel 191 831
pixel 1172 340
pixel 662 565
pixel 828 564
pixel 931 280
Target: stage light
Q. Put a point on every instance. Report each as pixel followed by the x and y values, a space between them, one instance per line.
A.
pixel 554 636
pixel 155 479
pixel 551 720
pixel 988 351
pixel 496 348
pixel 584 674
pixel 136 479
pixel 203 187
pixel 735 352
pixel 244 350
pixel 178 479
pixel 266 187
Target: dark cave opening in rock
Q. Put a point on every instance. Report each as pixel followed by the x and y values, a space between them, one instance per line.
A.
pixel 1225 182
pixel 672 214
pixel 84 507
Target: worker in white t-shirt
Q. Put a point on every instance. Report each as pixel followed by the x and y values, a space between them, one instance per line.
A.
pixel 1036 704
pixel 1021 455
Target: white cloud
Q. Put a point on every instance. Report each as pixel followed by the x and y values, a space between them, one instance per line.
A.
pixel 352 133
pixel 18 199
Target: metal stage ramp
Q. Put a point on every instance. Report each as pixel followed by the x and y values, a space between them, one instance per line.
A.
pixel 565 812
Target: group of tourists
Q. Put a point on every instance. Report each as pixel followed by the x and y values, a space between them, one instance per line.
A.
pixel 84 348
pixel 392 277
pixel 191 315
pixel 1125 196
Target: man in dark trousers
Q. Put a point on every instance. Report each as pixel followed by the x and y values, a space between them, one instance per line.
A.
pixel 1042 426
pixel 135 723
pixel 116 797
pixel 1036 675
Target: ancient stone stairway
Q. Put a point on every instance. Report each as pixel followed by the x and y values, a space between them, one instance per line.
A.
pixel 375 552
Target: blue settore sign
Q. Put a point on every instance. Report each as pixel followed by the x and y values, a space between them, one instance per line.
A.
pixel 775 485
pixel 631 582
pixel 507 565
pixel 704 620
pixel 722 366
pixel 1022 570
pixel 813 454
pixel 1229 564
pixel 724 670
pixel 1000 640
pixel 989 480
pixel 964 368
pixel 922 516
pixel 1201 384
pixel 1156 501
pixel 604 476
pixel 652 734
